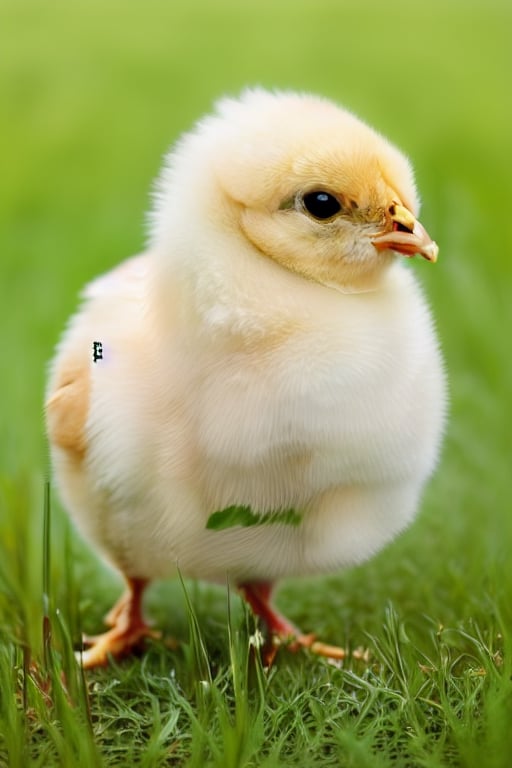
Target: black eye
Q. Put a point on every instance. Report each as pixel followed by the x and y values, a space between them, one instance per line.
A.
pixel 321 205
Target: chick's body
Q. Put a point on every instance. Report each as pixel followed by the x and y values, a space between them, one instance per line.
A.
pixel 256 356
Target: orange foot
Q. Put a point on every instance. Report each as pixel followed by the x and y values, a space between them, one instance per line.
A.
pixel 128 629
pixel 282 631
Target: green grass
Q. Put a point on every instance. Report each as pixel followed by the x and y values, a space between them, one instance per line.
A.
pixel 92 94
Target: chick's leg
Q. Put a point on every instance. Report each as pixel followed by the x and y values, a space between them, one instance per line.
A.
pixel 128 628
pixel 258 595
pixel 122 605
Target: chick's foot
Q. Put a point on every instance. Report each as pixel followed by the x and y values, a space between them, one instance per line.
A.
pixel 282 632
pixel 128 628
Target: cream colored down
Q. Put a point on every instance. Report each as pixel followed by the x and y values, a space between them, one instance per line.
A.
pixel 253 356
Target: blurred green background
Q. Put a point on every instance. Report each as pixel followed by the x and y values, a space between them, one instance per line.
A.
pixel 93 93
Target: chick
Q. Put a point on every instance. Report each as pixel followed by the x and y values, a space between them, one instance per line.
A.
pixel 269 354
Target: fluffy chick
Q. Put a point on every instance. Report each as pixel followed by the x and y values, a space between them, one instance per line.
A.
pixel 269 351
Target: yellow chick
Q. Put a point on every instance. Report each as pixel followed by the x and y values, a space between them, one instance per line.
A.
pixel 260 394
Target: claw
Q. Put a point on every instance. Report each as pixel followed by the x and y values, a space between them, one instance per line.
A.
pixel 116 643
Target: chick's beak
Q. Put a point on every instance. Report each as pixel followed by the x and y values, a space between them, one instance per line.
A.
pixel 406 236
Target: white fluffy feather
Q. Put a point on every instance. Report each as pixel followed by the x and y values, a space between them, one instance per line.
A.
pixel 253 356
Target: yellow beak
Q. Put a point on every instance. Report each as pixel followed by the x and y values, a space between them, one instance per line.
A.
pixel 406 236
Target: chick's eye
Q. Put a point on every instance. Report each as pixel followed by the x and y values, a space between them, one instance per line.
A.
pixel 321 205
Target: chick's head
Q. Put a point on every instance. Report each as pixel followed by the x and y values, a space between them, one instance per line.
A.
pixel 311 187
